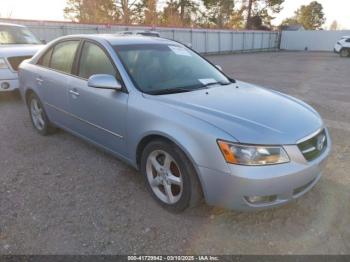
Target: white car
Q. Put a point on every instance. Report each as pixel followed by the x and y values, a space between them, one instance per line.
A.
pixel 342 47
pixel 17 43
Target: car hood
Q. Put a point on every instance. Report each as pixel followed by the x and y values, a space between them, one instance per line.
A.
pixel 19 50
pixel 249 113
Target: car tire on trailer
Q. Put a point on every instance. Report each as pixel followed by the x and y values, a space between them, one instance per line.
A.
pixel 170 176
pixel 344 52
pixel 38 116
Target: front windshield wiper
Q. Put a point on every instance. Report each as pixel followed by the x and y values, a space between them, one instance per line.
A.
pixel 216 83
pixel 169 91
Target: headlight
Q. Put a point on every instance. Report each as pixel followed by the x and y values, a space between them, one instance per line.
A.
pixel 252 155
pixel 3 64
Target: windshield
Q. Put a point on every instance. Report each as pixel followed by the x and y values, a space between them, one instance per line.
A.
pixel 156 68
pixel 16 35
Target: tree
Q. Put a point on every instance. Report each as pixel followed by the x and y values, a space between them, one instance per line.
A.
pixel 310 16
pixel 146 12
pixel 127 10
pixel 263 9
pixel 334 25
pixel 91 11
pixel 219 12
pixel 179 12
pixel 290 21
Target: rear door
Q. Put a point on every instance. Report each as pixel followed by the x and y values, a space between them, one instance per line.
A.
pixel 55 69
pixel 98 114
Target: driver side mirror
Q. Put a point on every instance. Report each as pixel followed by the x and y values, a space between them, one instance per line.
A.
pixel 104 82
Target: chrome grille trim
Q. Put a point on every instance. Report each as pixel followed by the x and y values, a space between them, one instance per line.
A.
pixel 309 146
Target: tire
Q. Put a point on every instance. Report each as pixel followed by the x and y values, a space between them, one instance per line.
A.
pixel 172 170
pixel 344 52
pixel 38 116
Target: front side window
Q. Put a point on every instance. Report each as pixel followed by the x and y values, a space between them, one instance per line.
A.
pixel 161 68
pixel 12 35
pixel 63 56
pixel 94 61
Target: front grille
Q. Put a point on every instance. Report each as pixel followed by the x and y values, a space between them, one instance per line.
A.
pixel 15 61
pixel 314 146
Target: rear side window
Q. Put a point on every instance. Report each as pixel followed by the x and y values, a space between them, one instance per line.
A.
pixel 63 56
pixel 94 61
pixel 45 59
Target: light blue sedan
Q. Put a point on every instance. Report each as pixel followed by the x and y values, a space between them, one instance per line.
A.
pixel 192 131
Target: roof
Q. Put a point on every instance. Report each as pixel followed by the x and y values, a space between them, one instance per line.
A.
pixel 8 24
pixel 115 39
pixel 293 27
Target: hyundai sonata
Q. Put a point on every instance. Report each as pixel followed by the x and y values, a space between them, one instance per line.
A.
pixel 192 131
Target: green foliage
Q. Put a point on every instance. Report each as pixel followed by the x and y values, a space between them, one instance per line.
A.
pixel 310 16
pixel 146 12
pixel 262 10
pixel 182 13
pixel 91 11
pixel 179 13
pixel 219 12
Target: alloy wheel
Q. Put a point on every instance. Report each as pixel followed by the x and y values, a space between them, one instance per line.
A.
pixel 37 114
pixel 344 53
pixel 164 176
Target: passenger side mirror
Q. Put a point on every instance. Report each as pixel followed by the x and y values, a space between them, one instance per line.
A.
pixel 219 67
pixel 104 82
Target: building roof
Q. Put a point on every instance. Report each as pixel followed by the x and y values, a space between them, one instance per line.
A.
pixel 293 27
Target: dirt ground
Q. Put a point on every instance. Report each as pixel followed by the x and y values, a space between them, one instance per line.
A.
pixel 60 195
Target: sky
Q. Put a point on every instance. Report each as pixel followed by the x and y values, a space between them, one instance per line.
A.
pixel 53 10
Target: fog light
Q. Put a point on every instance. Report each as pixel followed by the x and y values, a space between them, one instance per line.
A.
pixel 260 199
pixel 5 85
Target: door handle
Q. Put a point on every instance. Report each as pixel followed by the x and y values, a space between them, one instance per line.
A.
pixel 74 93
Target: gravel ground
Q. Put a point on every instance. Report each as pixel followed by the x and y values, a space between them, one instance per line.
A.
pixel 60 195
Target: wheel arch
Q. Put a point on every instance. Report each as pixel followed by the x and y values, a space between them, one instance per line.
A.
pixel 145 140
pixel 27 93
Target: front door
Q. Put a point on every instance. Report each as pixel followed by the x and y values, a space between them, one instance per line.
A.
pixel 97 114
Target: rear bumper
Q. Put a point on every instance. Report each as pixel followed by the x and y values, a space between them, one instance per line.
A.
pixel 11 83
pixel 283 183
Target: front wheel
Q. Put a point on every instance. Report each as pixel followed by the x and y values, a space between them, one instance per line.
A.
pixel 38 116
pixel 344 52
pixel 170 176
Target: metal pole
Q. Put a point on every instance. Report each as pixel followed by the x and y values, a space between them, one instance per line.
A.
pixel 232 41
pixel 219 40
pixel 205 42
pixel 243 41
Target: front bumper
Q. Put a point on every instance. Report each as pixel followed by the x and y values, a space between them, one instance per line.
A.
pixel 285 182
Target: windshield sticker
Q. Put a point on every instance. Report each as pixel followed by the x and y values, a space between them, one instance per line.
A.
pixel 179 50
pixel 206 81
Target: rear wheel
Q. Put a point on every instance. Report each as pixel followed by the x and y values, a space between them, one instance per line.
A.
pixel 344 52
pixel 38 116
pixel 170 176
